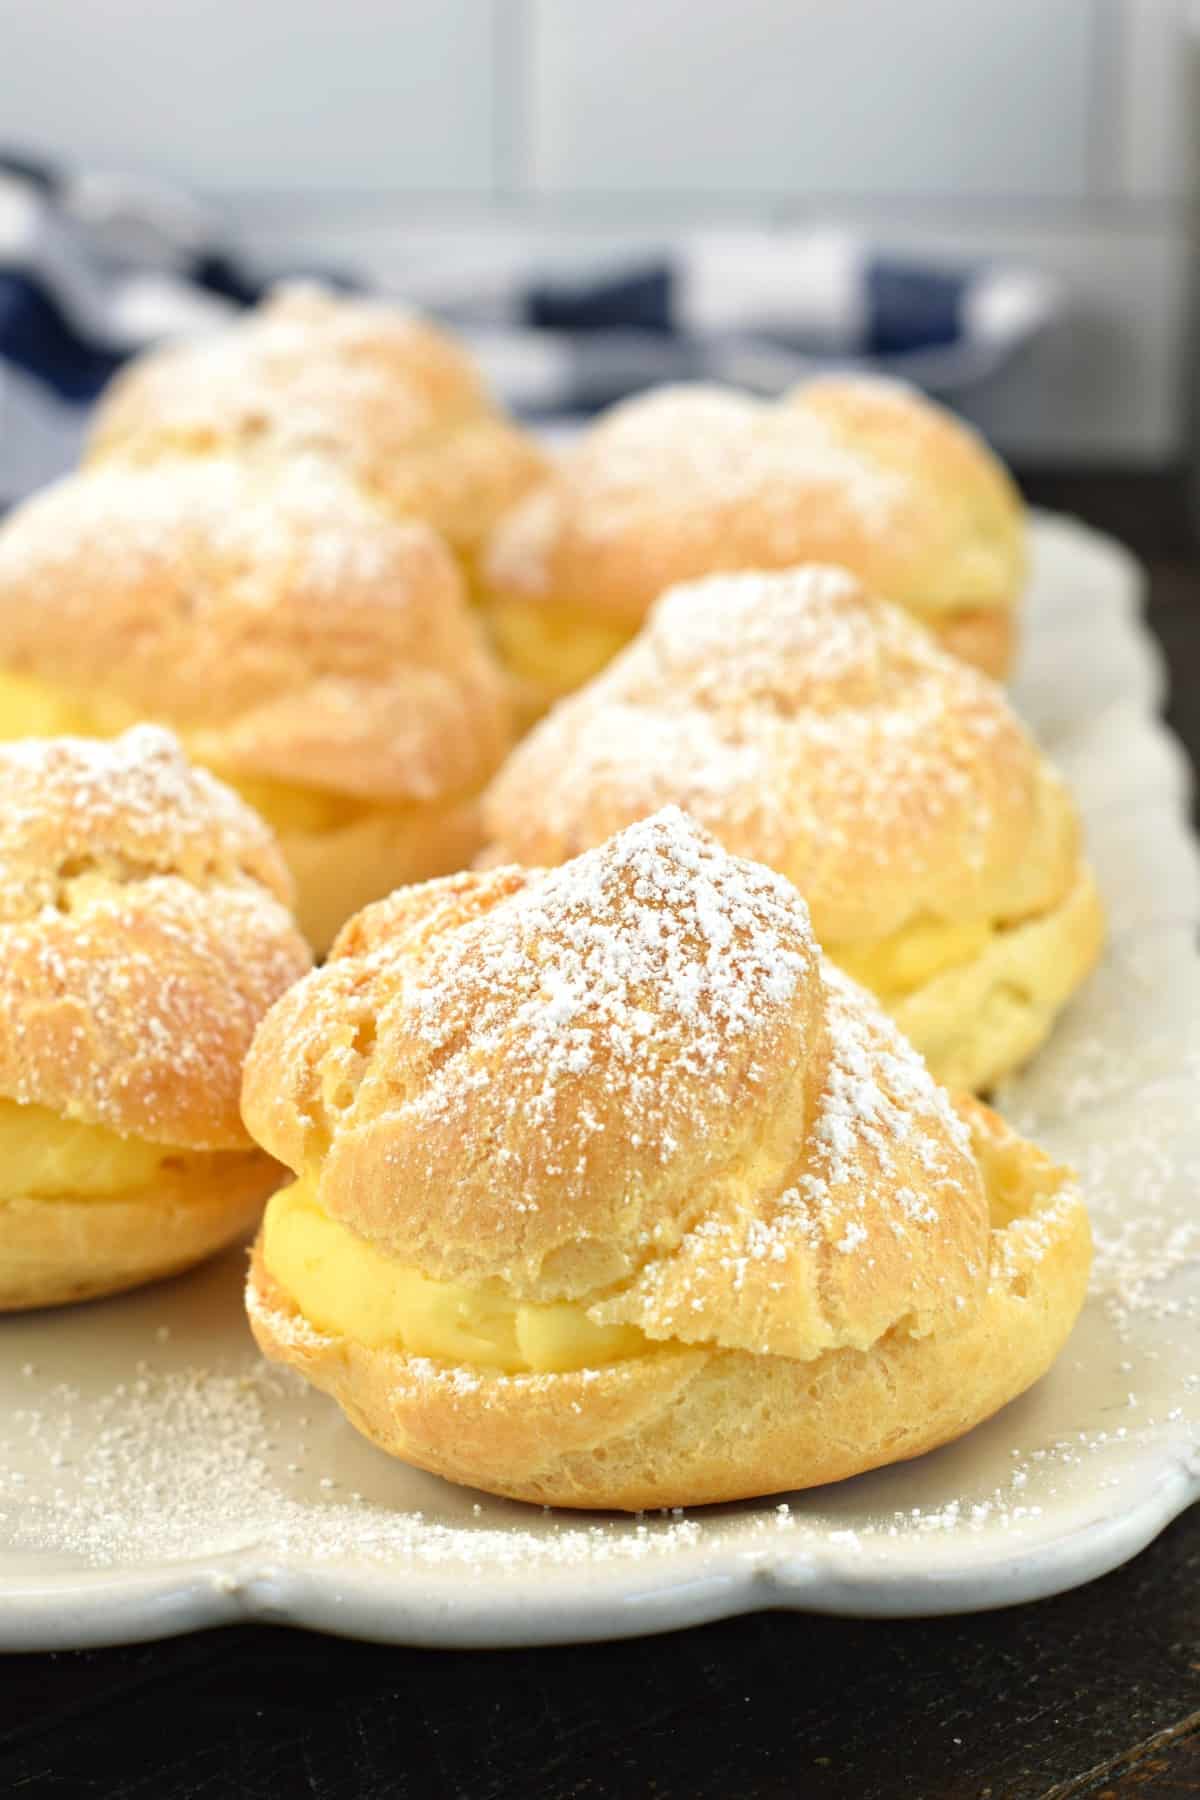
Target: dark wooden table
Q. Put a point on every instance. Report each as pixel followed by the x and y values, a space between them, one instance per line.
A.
pixel 1096 1693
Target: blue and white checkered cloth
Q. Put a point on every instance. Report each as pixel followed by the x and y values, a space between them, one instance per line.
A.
pixel 95 268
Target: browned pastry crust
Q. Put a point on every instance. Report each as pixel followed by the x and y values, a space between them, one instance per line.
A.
pixel 383 392
pixel 290 631
pixel 692 1426
pixel 282 624
pixel 632 1085
pixel 56 1252
pixel 821 731
pixel 143 934
pixel 690 481
pixel 816 729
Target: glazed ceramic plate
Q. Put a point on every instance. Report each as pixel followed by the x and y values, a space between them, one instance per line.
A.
pixel 155 1475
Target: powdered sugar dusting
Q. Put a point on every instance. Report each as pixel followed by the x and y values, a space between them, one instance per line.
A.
pixel 311 368
pixel 879 1091
pixel 816 616
pixel 693 448
pixel 142 936
pixel 208 1462
pixel 1141 1190
pixel 657 956
pixel 886 1162
pixel 157 1016
pixel 813 727
pixel 134 798
pixel 297 519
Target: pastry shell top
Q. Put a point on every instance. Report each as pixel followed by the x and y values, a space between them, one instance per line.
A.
pixel 691 480
pixel 371 385
pixel 630 1083
pixel 282 623
pixel 818 730
pixel 144 931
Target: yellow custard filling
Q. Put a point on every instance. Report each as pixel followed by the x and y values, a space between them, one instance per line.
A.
pixel 345 1286
pixel 32 708
pixel 558 648
pixel 45 1156
pixel 913 955
pixel 289 808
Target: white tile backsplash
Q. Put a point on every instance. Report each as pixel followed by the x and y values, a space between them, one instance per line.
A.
pixel 1155 89
pixel 306 94
pixel 932 97
pixel 1054 132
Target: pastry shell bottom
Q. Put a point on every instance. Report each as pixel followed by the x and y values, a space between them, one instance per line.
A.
pixel 689 1425
pixel 978 1021
pixel 53 1251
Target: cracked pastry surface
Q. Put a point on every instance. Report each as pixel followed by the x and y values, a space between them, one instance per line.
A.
pixel 821 731
pixel 396 402
pixel 611 1191
pixel 144 931
pixel 305 646
pixel 695 480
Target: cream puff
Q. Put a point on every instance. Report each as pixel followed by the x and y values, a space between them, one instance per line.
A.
pixel 823 732
pixel 311 650
pixel 396 401
pixel 611 1192
pixel 144 932
pixel 689 481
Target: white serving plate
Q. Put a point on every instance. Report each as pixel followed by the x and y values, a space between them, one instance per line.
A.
pixel 155 1475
